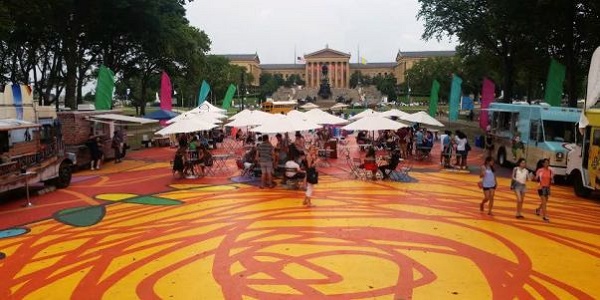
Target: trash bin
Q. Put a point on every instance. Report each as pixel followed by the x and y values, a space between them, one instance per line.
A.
pixel 479 141
pixel 332 144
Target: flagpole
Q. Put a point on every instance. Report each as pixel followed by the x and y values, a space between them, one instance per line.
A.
pixel 358 57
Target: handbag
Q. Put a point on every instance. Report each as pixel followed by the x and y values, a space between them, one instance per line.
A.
pixel 312 176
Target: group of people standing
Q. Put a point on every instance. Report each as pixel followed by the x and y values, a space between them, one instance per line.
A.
pixel 520 175
pixel 298 159
pixel 96 145
pixel 457 145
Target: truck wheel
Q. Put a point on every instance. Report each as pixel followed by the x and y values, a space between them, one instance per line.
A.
pixel 64 175
pixel 580 189
pixel 502 157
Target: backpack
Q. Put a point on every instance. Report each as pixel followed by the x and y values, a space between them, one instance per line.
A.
pixel 468 147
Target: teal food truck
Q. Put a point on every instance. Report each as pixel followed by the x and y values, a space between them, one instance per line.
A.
pixel 543 131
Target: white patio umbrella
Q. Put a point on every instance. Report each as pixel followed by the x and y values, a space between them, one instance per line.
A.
pixel 395 113
pixel 320 117
pixel 294 112
pixel 423 118
pixel 206 116
pixel 365 113
pixel 309 105
pixel 207 107
pixel 186 126
pixel 339 106
pixel 375 123
pixel 253 118
pixel 282 124
pixel 246 112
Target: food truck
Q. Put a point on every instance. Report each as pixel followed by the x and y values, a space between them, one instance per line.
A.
pixel 584 158
pixel 544 132
pixel 31 145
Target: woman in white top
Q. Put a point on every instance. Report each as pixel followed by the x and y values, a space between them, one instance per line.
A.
pixel 520 175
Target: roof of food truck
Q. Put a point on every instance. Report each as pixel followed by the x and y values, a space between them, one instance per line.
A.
pixel 12 124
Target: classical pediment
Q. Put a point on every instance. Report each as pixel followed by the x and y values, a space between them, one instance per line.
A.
pixel 327 53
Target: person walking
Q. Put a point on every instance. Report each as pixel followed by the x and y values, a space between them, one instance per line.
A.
pixel 545 177
pixel 312 176
pixel 117 145
pixel 94 145
pixel 488 184
pixel 461 149
pixel 520 175
pixel 265 154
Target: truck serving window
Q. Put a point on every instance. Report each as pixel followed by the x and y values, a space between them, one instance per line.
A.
pixel 558 131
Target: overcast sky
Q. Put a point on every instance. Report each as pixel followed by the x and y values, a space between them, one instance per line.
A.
pixel 272 28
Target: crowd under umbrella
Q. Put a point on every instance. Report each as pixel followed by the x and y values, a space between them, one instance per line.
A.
pixel 374 123
pixel 187 126
pixel 423 118
pixel 366 113
pixel 320 117
pixel 283 124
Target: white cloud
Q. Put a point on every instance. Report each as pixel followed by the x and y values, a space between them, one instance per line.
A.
pixel 272 28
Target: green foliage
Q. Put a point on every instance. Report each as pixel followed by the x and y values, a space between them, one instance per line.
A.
pixel 269 83
pixel 357 77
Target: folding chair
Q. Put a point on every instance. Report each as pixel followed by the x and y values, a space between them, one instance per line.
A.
pixel 355 168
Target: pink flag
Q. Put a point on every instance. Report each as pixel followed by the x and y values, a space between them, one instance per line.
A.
pixel 487 97
pixel 165 92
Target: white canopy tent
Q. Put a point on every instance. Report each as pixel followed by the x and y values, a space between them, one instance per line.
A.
pixel 375 123
pixel 186 126
pixel 423 118
pixel 320 117
pixel 365 113
pixel 283 123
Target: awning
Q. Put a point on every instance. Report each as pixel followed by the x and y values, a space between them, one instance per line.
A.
pixel 121 119
pixel 499 110
pixel 12 124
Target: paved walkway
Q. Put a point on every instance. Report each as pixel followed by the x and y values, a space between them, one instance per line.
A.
pixel 132 231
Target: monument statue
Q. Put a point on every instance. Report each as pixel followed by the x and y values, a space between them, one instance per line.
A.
pixel 325 88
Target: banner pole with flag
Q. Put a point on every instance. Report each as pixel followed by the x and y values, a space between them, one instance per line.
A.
pixel 554 84
pixel 487 97
pixel 104 88
pixel 433 98
pixel 204 91
pixel 166 90
pixel 229 97
pixel 455 92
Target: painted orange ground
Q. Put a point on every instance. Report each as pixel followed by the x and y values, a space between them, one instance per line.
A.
pixel 133 231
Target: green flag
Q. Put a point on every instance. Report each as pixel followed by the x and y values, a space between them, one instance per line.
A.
pixel 433 98
pixel 455 93
pixel 554 85
pixel 105 88
pixel 229 96
pixel 204 90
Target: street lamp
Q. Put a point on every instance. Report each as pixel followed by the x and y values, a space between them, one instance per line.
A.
pixel 243 90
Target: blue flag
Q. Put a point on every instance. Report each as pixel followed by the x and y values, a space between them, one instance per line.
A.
pixel 455 92
pixel 204 90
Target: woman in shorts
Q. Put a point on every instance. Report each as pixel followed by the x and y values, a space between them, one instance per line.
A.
pixel 545 177
pixel 520 175
pixel 488 184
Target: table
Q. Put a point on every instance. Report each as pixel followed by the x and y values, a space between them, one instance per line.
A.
pixel 26 176
pixel 220 163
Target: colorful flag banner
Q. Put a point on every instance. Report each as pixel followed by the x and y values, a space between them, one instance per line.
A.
pixel 487 97
pixel 554 84
pixel 455 93
pixel 433 98
pixel 104 89
pixel 166 92
pixel 300 59
pixel 229 96
pixel 204 91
